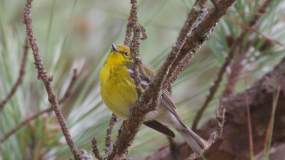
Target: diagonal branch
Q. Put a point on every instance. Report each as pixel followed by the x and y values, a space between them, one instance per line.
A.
pixel 20 77
pixel 187 27
pixel 43 76
pixel 95 149
pixel 132 22
pixel 108 139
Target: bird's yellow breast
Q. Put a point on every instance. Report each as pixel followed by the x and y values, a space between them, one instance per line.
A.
pixel 118 89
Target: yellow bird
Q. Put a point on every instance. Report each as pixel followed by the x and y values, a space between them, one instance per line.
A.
pixel 119 92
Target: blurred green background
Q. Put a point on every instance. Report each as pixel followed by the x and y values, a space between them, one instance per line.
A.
pixel 78 34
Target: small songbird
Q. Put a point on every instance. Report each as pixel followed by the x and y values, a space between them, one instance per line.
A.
pixel 119 91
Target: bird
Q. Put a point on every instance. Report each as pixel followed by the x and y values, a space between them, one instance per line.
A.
pixel 119 91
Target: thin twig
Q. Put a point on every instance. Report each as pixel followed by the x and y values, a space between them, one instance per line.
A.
pixel 20 77
pixel 238 42
pixel 213 89
pixel 108 138
pixel 44 111
pixel 236 67
pixel 134 33
pixel 132 22
pixel 95 149
pixel 43 76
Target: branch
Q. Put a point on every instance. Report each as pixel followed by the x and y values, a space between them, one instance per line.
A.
pixel 213 89
pixel 149 99
pixel 108 139
pixel 238 43
pixel 20 77
pixel 40 113
pixel 187 27
pixel 43 76
pixel 132 22
pixel 234 141
pixel 132 39
pixel 95 149
pixel 198 33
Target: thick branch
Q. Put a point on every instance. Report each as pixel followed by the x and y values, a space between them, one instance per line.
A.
pixel 198 33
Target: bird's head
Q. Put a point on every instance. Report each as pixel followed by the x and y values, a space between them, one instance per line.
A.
pixel 119 54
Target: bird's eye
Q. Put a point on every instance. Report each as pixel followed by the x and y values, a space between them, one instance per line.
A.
pixel 125 53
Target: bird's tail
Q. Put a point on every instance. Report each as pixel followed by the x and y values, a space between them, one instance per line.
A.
pixel 196 143
pixel 170 117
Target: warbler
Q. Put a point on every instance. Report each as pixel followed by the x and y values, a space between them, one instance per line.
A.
pixel 119 91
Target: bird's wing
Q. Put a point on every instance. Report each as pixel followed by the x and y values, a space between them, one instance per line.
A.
pixel 145 75
pixel 166 100
pixel 159 127
pixel 165 96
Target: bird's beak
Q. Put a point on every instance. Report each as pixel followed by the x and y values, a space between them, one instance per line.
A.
pixel 114 47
